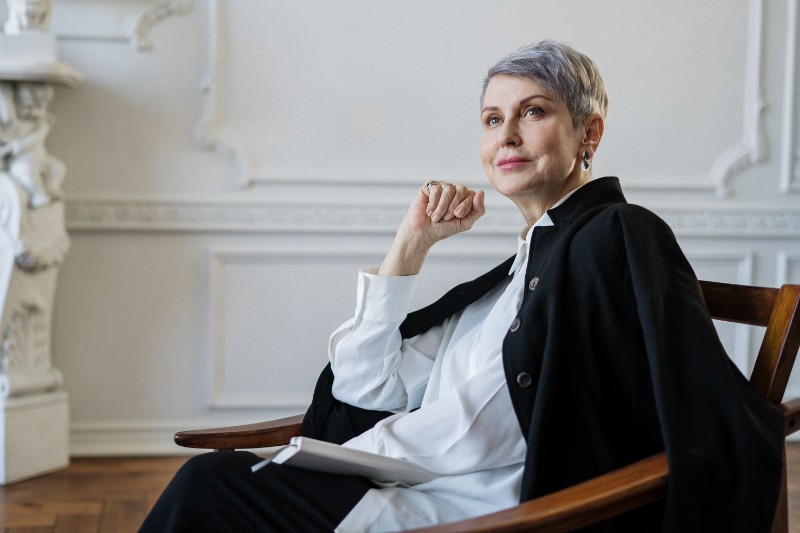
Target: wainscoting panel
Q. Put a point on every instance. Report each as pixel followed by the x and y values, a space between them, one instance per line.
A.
pixel 273 311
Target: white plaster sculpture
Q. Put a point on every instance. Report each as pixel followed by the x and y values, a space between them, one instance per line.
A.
pixel 26 15
pixel 24 125
pixel 34 413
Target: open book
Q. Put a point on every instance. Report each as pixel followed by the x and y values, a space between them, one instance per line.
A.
pixel 312 454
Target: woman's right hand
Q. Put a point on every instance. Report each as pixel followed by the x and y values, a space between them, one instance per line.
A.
pixel 439 210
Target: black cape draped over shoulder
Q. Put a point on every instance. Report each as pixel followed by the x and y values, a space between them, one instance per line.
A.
pixel 614 359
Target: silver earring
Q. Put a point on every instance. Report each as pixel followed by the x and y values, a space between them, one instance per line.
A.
pixel 586 164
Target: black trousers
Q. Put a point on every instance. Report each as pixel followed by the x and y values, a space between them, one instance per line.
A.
pixel 217 492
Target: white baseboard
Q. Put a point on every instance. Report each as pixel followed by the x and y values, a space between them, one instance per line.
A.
pixel 106 439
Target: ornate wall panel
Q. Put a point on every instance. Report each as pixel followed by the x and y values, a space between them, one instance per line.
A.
pixel 274 309
pixel 128 21
pixel 790 167
pixel 789 267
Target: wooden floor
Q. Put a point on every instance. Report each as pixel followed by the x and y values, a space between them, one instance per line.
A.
pixel 114 495
pixel 92 495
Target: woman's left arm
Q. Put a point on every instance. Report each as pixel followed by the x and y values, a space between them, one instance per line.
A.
pixel 373 366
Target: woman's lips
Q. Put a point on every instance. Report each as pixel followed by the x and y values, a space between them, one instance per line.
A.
pixel 510 163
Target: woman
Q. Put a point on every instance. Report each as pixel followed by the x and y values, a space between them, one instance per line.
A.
pixel 594 335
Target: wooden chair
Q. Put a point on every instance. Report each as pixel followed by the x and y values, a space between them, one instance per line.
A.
pixel 632 486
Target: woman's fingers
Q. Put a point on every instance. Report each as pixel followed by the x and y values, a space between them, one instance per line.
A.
pixel 433 190
pixel 465 206
pixel 447 200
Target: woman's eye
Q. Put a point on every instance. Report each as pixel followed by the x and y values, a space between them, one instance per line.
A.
pixel 492 120
pixel 533 112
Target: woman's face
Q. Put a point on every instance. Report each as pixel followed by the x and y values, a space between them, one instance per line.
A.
pixel 529 149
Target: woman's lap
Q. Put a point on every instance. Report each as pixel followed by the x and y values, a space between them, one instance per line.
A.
pixel 218 492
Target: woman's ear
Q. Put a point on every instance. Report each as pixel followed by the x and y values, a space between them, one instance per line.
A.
pixel 592 132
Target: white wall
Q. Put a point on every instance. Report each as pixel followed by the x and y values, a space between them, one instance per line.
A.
pixel 225 184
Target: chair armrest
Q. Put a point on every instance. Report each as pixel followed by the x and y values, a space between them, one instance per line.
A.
pixel 586 503
pixel 261 435
pixel 791 416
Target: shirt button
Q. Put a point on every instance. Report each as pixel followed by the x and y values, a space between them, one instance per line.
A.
pixel 515 325
pixel 533 283
pixel 524 380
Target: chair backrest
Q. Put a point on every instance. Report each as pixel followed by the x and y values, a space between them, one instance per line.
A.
pixel 779 311
pixel 776 309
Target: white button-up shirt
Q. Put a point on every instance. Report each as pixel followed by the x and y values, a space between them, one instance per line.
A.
pixel 447 388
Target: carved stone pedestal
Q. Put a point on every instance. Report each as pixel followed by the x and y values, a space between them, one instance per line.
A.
pixel 34 414
pixel 34 433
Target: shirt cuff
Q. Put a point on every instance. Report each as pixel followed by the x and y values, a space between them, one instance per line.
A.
pixel 384 298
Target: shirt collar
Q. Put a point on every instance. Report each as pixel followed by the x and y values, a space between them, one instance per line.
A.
pixel 524 243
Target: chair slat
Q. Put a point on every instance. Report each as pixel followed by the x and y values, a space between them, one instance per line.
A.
pixel 778 350
pixel 738 303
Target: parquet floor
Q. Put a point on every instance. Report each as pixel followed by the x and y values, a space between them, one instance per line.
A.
pixel 107 495
pixel 103 495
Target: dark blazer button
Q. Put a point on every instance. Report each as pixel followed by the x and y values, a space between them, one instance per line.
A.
pixel 515 325
pixel 524 380
pixel 533 283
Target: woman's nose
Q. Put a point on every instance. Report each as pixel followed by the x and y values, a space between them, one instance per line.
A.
pixel 510 134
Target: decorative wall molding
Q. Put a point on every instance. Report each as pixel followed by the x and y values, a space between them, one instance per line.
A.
pixel 224 395
pixel 210 133
pixel 128 21
pixel 788 270
pixel 380 218
pixel 740 262
pixel 146 19
pixel 745 223
pixel 214 216
pixel 790 164
pixel 750 151
pixel 753 147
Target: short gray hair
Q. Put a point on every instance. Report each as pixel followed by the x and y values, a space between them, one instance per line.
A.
pixel 563 71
